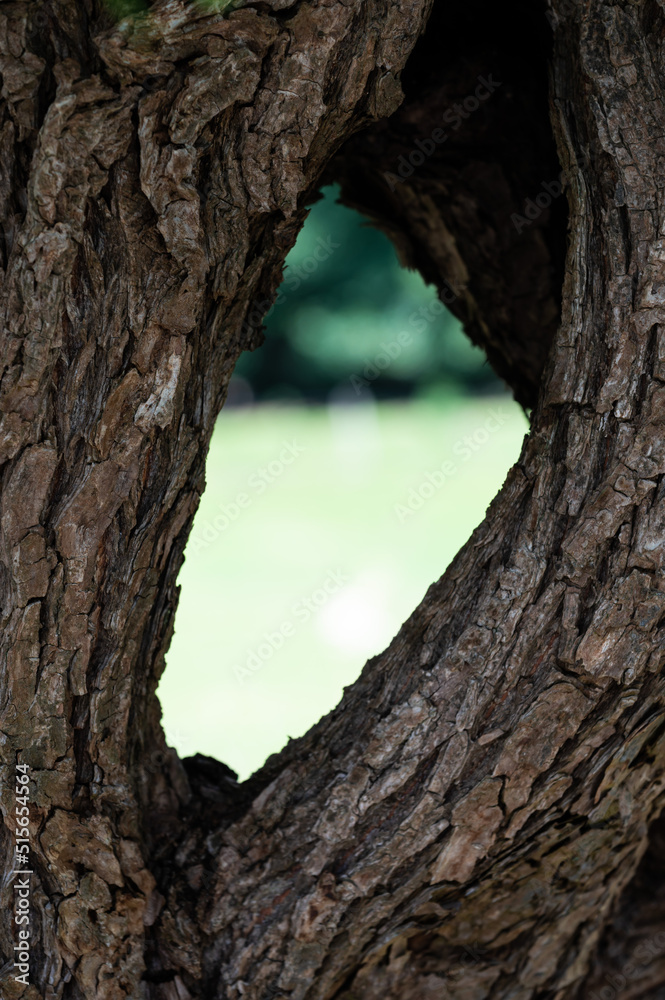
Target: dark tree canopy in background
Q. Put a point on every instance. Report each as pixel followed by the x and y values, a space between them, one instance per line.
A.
pixel 343 299
pixel 492 784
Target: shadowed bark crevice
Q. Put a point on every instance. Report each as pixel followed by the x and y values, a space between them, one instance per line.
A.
pixel 471 193
pixel 630 960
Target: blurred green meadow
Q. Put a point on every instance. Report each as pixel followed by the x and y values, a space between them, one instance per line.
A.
pixel 330 544
pixel 359 449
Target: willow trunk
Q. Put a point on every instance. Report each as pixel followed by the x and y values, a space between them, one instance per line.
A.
pixel 479 817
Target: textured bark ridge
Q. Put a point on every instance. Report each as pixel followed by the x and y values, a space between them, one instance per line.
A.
pixel 474 819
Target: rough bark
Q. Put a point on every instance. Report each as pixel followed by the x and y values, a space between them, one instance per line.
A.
pixel 489 783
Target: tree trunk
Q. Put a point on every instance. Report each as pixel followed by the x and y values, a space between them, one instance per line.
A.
pixel 479 818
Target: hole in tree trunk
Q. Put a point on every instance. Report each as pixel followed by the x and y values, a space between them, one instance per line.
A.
pixel 359 449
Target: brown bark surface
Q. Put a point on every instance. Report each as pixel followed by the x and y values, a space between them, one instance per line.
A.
pixel 479 818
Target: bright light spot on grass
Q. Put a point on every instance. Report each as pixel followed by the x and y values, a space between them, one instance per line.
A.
pixel 357 621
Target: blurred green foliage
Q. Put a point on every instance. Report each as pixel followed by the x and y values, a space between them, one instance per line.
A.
pixel 342 306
